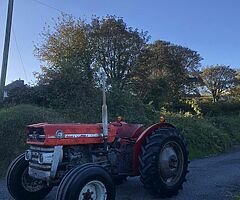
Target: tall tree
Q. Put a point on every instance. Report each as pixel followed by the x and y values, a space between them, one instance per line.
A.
pixel 65 47
pixel 117 48
pixel 67 57
pixel 218 80
pixel 166 71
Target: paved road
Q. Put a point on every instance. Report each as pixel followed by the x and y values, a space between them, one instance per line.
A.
pixel 209 179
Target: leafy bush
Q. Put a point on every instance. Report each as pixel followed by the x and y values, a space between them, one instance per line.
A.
pixel 207 136
pixel 220 108
pixel 228 124
pixel 126 105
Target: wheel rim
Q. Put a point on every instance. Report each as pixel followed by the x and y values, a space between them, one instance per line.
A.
pixel 171 162
pixel 30 184
pixel 94 190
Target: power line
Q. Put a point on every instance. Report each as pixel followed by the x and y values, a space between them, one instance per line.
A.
pixel 19 53
pixel 15 39
pixel 51 7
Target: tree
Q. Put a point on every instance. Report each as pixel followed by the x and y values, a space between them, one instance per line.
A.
pixel 117 48
pixel 74 53
pixel 67 70
pixel 235 92
pixel 166 71
pixel 218 80
pixel 65 47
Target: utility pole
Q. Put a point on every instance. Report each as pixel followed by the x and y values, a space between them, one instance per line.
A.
pixel 6 48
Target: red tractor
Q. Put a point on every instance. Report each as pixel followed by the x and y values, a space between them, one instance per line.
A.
pixel 86 160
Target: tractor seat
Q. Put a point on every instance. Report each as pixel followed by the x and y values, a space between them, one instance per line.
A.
pixel 129 130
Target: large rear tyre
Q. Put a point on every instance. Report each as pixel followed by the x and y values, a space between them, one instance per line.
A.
pixel 164 162
pixel 20 185
pixel 86 182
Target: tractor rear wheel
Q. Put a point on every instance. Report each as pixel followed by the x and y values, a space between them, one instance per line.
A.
pixel 164 162
pixel 20 185
pixel 86 182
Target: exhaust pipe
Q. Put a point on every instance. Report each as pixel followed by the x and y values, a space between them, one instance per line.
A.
pixel 104 113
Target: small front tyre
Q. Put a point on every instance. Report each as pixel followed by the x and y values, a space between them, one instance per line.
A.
pixel 86 182
pixel 20 185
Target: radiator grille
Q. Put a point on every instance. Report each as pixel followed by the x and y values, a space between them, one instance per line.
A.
pixel 35 134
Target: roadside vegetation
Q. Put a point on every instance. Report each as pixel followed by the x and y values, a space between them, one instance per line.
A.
pixel 209 135
pixel 144 79
pixel 206 135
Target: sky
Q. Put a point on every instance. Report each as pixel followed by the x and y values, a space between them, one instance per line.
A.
pixel 210 27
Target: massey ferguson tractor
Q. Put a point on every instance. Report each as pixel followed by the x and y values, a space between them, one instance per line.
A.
pixel 86 160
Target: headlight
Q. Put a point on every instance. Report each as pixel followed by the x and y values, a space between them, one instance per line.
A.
pixel 59 134
pixel 45 158
pixel 28 155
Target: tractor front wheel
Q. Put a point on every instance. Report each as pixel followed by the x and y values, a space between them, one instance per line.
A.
pixel 20 185
pixel 86 182
pixel 164 162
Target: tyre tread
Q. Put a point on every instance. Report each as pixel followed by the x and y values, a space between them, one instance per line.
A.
pixel 148 161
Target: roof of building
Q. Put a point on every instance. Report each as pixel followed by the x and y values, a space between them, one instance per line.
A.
pixel 15 84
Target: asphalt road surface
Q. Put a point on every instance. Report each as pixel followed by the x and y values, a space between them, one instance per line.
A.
pixel 210 178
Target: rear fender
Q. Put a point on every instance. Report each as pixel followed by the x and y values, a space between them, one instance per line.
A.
pixel 140 141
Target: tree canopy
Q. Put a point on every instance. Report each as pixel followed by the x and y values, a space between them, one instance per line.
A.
pixel 117 48
pixel 143 76
pixel 218 80
pixel 166 71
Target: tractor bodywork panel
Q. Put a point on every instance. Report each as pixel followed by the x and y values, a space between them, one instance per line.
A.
pixel 130 137
pixel 129 130
pixel 67 134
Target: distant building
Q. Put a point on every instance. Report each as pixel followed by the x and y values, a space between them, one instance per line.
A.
pixel 18 84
